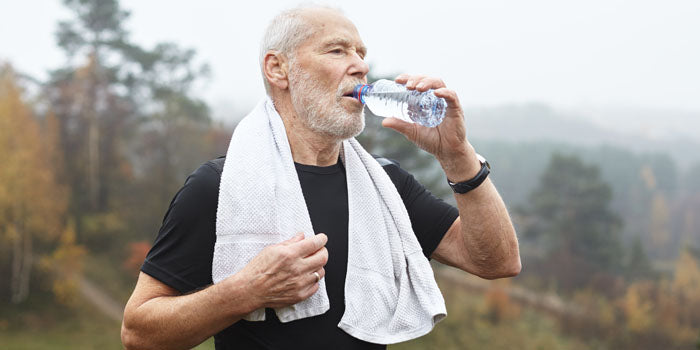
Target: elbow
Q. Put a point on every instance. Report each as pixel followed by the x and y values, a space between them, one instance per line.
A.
pixel 130 337
pixel 514 268
pixel 511 269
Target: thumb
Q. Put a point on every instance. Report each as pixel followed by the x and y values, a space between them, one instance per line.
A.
pixel 297 237
pixel 399 125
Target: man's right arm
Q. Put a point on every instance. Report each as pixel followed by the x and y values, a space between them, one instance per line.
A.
pixel 158 316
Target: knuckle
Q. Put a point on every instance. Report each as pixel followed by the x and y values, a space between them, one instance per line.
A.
pixel 324 256
pixel 283 253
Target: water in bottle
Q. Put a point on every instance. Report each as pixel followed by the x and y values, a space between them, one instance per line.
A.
pixel 389 99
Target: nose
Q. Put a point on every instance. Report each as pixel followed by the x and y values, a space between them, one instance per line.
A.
pixel 359 68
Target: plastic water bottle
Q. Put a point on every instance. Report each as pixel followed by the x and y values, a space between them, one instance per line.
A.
pixel 389 99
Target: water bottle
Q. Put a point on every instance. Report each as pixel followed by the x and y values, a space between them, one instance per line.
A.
pixel 389 99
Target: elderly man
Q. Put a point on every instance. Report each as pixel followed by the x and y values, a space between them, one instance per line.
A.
pixel 291 293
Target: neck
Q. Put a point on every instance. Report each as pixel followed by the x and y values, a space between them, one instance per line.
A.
pixel 308 147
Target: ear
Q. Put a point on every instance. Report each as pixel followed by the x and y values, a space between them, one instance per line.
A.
pixel 275 68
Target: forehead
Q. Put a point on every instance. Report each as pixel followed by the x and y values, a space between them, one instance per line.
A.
pixel 331 27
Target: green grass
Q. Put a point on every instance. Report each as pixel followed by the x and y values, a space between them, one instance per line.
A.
pixel 56 328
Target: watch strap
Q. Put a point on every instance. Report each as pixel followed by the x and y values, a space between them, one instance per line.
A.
pixel 466 186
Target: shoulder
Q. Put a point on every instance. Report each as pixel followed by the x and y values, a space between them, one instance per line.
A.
pixel 216 165
pixel 384 162
pixel 392 168
pixel 208 172
pixel 203 182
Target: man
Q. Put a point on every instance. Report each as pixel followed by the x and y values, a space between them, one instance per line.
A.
pixel 310 59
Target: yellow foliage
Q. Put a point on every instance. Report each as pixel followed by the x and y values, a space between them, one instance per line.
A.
pixel 638 310
pixel 66 291
pixel 66 266
pixel 30 196
pixel 596 307
pixel 686 280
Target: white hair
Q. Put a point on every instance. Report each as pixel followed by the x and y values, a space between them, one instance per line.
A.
pixel 286 32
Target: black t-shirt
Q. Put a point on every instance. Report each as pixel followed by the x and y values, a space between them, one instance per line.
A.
pixel 182 254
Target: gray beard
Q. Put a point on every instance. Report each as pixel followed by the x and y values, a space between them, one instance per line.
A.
pixel 324 117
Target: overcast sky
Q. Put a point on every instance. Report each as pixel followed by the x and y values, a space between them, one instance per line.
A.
pixel 642 54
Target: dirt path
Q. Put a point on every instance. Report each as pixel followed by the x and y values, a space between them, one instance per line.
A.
pixel 100 299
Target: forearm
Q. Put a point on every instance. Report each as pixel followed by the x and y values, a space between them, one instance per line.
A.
pixel 486 243
pixel 487 232
pixel 183 321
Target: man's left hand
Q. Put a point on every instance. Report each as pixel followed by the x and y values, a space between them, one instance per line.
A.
pixel 447 141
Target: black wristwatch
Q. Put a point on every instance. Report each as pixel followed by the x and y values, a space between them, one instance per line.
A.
pixel 466 186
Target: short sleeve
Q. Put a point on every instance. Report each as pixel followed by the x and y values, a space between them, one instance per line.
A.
pixel 183 250
pixel 431 217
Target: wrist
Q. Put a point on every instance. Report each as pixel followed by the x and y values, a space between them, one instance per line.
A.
pixel 238 291
pixel 461 166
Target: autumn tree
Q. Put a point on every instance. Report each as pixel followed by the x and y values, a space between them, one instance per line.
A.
pixel 32 202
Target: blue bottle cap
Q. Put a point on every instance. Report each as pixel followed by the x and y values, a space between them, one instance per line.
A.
pixel 359 92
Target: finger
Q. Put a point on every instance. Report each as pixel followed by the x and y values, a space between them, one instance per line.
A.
pixel 413 81
pixel 310 245
pixel 402 78
pixel 310 290
pixel 429 83
pixel 316 260
pixel 404 127
pixel 298 237
pixel 311 276
pixel 450 97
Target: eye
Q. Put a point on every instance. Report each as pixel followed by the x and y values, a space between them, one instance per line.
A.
pixel 337 51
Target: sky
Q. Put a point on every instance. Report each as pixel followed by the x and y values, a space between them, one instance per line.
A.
pixel 638 54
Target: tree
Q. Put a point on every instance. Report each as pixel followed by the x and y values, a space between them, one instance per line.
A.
pixel 637 265
pixel 569 215
pixel 121 110
pixel 32 202
pixel 117 87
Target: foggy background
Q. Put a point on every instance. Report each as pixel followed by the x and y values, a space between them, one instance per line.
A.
pixel 587 111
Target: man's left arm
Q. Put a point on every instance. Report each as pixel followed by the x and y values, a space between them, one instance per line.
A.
pixel 482 240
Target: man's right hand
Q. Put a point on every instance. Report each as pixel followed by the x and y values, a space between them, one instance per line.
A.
pixel 159 316
pixel 283 274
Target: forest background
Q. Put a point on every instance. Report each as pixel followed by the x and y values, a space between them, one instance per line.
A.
pixel 606 202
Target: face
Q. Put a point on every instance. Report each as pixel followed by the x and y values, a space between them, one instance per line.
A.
pixel 323 74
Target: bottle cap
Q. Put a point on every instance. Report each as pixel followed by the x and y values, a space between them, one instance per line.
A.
pixel 359 92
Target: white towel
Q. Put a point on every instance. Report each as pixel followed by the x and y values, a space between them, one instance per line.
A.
pixel 390 291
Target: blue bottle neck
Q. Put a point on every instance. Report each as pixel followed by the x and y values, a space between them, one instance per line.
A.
pixel 360 91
